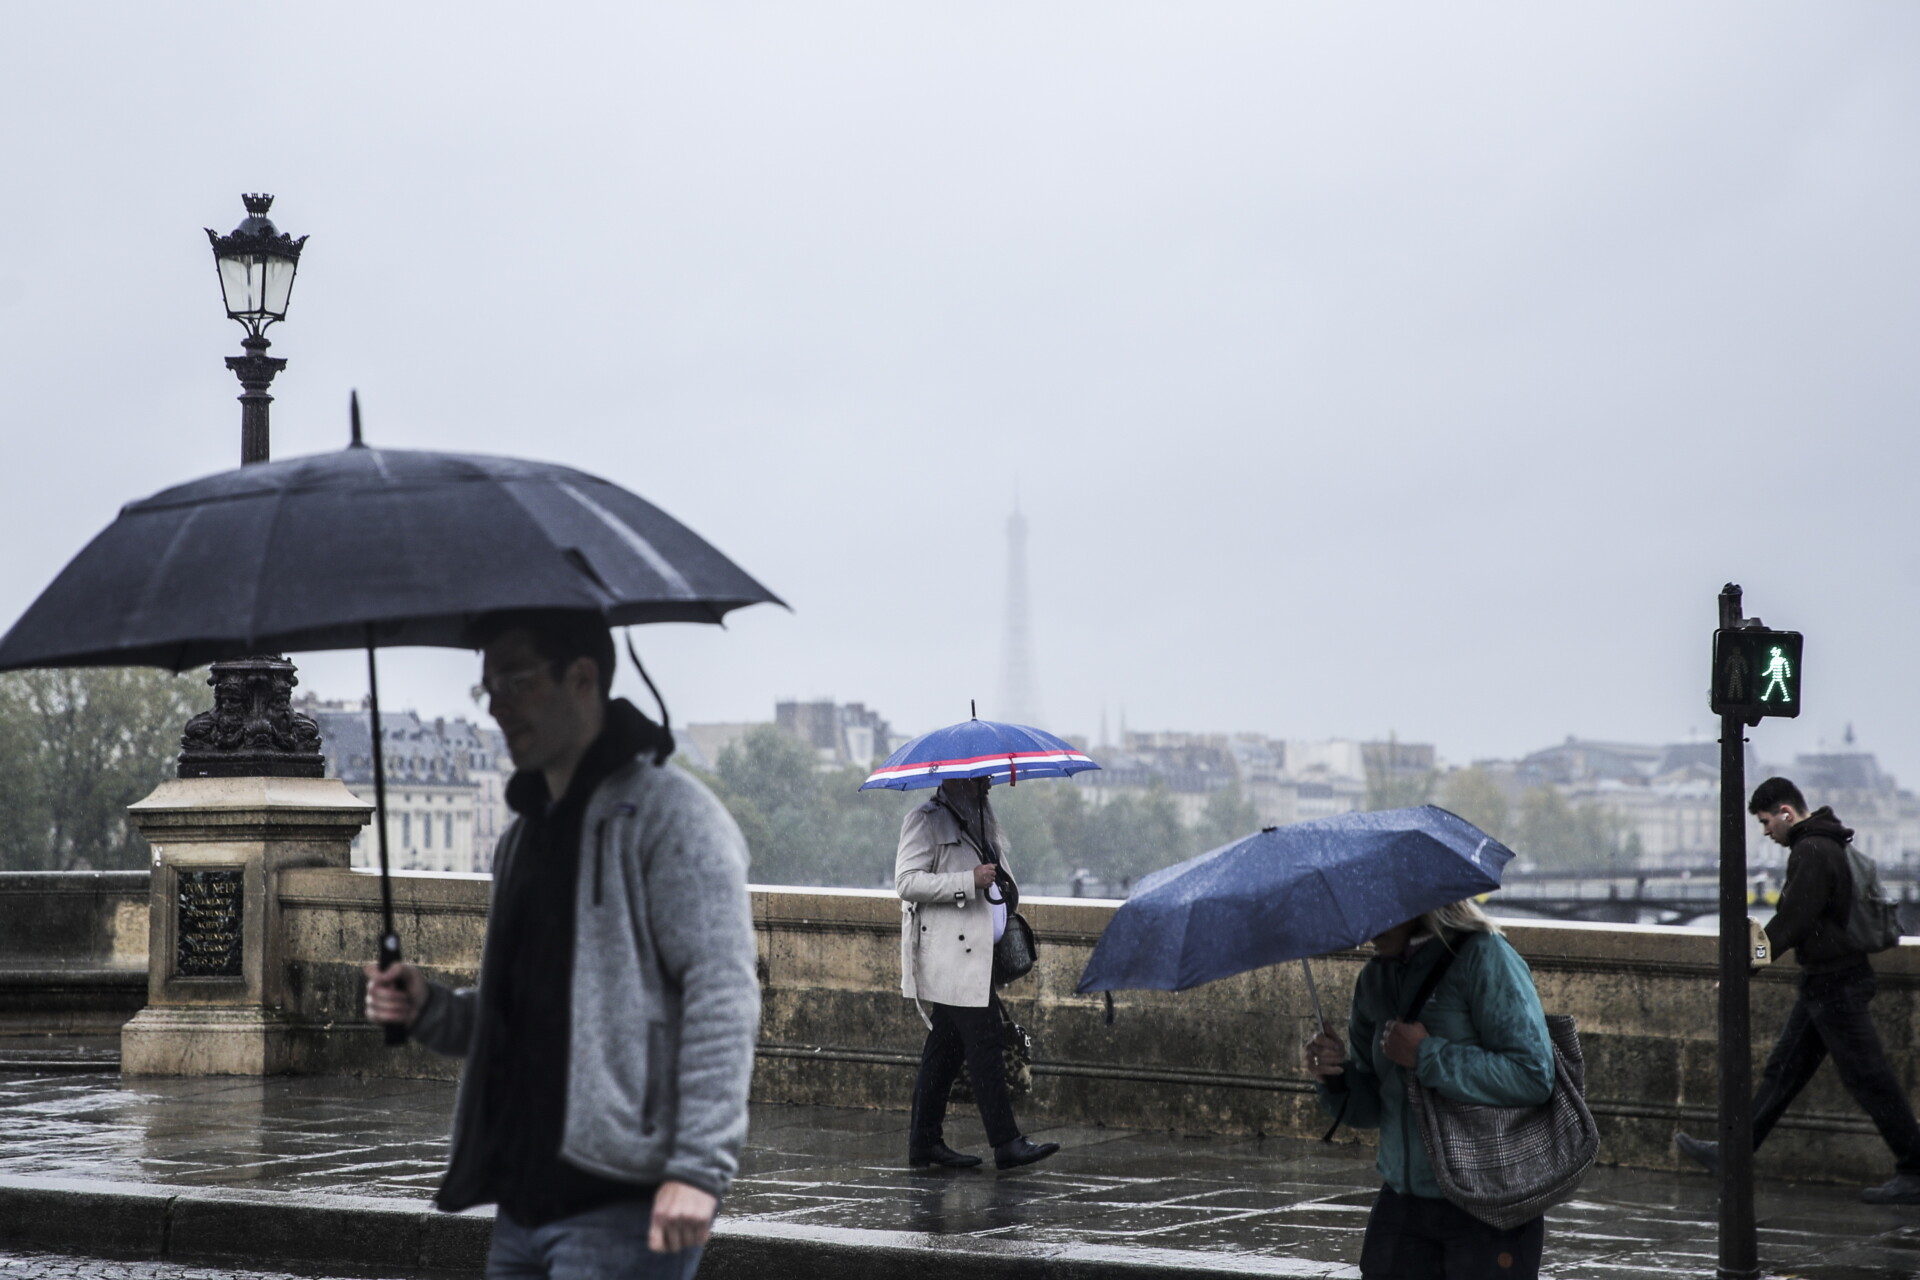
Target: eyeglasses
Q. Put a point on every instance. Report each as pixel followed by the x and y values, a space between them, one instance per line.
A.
pixel 512 685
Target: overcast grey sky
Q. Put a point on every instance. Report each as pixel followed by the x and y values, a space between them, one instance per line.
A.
pixel 1421 369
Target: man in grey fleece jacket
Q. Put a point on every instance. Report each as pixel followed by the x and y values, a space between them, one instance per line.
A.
pixel 609 1043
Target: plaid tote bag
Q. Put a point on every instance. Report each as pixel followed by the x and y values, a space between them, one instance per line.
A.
pixel 1508 1165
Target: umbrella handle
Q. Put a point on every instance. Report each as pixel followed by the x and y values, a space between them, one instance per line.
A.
pixel 389 936
pixel 389 957
pixel 1313 995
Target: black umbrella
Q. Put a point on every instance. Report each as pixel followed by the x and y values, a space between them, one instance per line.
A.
pixel 362 548
pixel 310 553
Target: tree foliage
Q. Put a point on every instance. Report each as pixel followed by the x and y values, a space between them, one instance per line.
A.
pixel 1474 795
pixel 1560 835
pixel 802 826
pixel 1397 790
pixel 77 747
pixel 1545 826
pixel 1229 815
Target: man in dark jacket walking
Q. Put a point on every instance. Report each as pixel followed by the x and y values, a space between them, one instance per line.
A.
pixel 609 1043
pixel 1830 1015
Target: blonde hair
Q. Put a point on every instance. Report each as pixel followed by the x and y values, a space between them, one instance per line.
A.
pixel 1464 916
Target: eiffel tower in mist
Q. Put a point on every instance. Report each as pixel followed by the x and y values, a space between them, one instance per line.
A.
pixel 1019 697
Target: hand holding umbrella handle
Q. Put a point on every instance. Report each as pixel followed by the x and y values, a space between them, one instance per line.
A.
pixel 390 956
pixel 1009 891
pixel 1313 995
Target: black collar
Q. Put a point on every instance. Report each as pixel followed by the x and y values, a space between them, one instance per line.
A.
pixel 626 734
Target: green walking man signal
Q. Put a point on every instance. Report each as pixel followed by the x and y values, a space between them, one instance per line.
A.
pixel 1756 673
pixel 1778 672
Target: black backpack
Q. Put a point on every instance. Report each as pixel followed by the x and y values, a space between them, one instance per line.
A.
pixel 1873 922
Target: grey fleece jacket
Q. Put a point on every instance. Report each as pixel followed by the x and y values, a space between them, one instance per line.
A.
pixel 666 1003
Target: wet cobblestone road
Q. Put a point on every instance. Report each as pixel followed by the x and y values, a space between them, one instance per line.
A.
pixel 54 1266
pixel 1275 1206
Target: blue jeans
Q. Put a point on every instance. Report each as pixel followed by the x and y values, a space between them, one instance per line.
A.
pixel 608 1243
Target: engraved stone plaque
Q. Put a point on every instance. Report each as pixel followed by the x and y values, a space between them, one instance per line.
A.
pixel 208 931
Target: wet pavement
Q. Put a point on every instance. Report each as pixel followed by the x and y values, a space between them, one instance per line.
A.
pixel 1237 1205
pixel 55 1266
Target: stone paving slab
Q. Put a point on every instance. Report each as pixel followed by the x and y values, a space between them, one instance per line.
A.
pixel 336 1172
pixel 56 1266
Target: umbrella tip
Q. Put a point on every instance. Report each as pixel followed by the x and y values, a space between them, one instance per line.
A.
pixel 973 708
pixel 353 414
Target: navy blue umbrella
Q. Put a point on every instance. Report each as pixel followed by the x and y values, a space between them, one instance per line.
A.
pixel 1288 893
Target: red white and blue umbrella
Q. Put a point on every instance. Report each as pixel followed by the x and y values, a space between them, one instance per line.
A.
pixel 978 749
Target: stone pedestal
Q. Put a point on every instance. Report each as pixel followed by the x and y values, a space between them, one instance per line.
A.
pixel 217 996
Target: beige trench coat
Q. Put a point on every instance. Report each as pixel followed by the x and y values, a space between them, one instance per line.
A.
pixel 946 927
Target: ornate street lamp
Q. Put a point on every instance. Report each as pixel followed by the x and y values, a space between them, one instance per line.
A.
pixel 253 730
pixel 257 263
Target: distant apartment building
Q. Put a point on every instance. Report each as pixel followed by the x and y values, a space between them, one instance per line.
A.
pixel 1188 768
pixel 1670 796
pixel 1285 781
pixel 1328 797
pixel 445 781
pixel 1885 818
pixel 1334 776
pixel 841 734
pixel 1261 763
pixel 1667 794
pixel 1394 761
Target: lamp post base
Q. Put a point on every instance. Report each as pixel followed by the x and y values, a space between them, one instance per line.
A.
pixel 252 730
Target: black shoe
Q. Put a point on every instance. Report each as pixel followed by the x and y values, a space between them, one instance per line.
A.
pixel 1011 1155
pixel 1902 1188
pixel 937 1152
pixel 1707 1154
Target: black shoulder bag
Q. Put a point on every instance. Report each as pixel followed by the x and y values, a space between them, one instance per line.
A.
pixel 1015 952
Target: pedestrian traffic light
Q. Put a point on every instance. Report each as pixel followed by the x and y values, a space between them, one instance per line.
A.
pixel 1756 673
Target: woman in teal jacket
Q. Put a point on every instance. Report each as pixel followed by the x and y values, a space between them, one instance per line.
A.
pixel 1482 1038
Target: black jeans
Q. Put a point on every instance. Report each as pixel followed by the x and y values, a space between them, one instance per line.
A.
pixel 1830 1017
pixel 1414 1238
pixel 971 1035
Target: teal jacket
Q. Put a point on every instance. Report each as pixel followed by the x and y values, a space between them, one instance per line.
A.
pixel 1486 1043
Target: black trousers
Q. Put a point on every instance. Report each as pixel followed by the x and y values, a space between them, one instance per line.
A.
pixel 970 1035
pixel 1414 1238
pixel 1830 1019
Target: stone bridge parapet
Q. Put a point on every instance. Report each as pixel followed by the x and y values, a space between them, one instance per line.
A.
pixel 1219 1058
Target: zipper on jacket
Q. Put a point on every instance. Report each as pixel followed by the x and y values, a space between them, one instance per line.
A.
pixel 656 1062
pixel 599 857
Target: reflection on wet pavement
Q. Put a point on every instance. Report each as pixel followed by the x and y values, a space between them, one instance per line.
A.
pixel 1274 1206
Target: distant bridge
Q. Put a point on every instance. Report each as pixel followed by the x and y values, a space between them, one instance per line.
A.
pixel 1677 896
pixel 1672 896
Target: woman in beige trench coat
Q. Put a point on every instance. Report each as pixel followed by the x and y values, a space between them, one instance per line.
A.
pixel 952 912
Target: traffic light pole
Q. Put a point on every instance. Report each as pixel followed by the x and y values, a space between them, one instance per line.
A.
pixel 1739 1248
